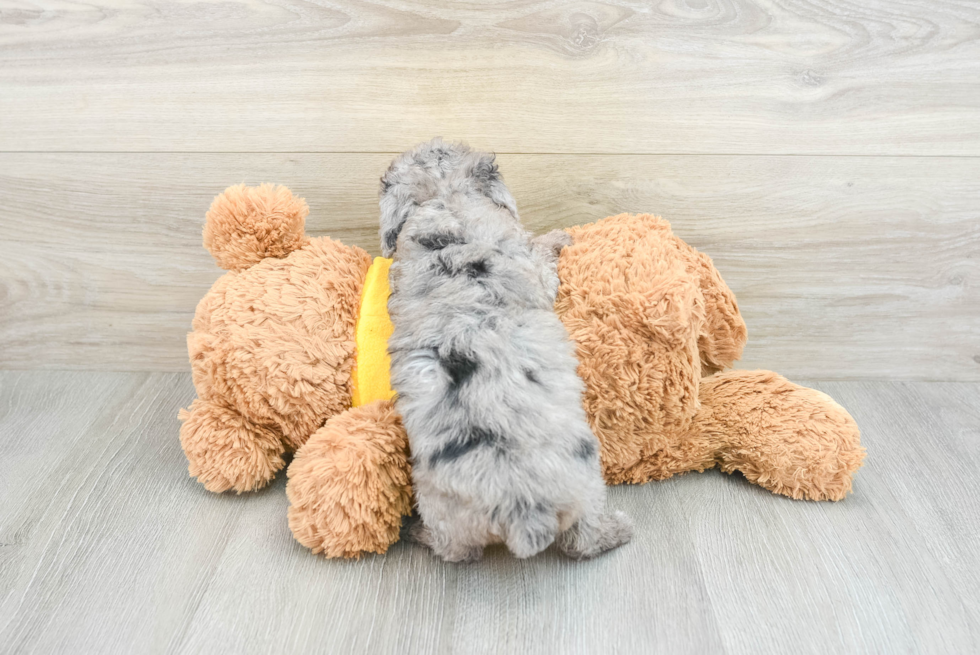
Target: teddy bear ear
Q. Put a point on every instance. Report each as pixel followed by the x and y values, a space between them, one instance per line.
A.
pixel 247 224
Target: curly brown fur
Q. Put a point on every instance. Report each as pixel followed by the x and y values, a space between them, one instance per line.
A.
pixel 349 483
pixel 651 316
pixel 272 345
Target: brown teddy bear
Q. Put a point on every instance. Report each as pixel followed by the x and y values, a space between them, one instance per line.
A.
pixel 274 358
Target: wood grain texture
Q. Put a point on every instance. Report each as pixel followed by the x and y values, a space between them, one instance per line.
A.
pixel 895 77
pixel 107 546
pixel 845 267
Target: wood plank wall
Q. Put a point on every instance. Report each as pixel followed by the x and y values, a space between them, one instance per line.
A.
pixel 825 153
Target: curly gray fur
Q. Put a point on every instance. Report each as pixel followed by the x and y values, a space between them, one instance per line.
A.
pixel 484 369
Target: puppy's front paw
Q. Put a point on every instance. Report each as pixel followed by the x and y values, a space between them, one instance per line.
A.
pixel 416 531
pixel 553 242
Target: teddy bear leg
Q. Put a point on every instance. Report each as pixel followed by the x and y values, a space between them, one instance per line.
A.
pixel 786 438
pixel 226 451
pixel 350 483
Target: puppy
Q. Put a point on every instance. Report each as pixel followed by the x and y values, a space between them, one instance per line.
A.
pixel 484 370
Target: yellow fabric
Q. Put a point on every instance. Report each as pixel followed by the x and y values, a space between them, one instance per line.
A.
pixel 372 370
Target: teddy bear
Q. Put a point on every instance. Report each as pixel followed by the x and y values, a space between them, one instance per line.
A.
pixel 287 355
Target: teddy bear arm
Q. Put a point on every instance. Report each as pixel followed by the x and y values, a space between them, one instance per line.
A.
pixel 722 334
pixel 350 483
pixel 633 308
pixel 226 451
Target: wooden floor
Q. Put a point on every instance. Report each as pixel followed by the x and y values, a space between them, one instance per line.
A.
pixel 107 546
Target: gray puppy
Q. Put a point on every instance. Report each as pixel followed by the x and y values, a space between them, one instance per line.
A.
pixel 484 369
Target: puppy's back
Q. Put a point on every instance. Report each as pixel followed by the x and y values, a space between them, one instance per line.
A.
pixel 485 374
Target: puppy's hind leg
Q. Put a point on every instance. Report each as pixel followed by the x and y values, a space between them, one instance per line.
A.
pixel 531 531
pixel 595 534
pixel 443 546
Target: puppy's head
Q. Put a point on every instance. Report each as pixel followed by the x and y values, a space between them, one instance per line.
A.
pixel 433 170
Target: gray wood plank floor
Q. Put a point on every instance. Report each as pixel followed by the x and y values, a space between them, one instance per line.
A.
pixel 107 546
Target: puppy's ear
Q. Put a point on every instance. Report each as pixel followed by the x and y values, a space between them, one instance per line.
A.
pixel 395 207
pixel 487 176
